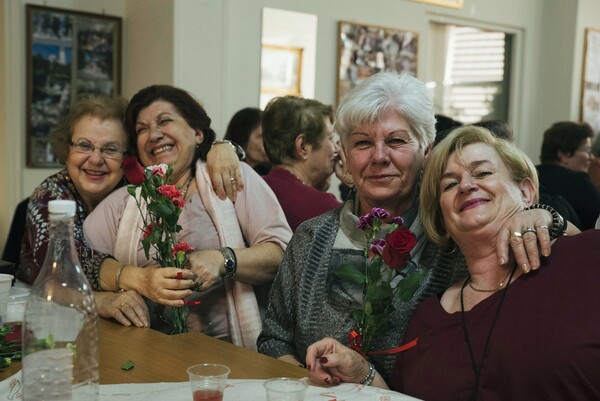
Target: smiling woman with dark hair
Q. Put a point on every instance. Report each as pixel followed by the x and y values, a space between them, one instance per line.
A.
pixel 236 248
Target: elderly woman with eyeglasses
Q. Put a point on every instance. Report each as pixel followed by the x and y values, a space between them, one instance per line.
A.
pixel 91 142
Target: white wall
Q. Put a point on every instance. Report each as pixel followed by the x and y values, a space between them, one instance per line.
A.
pixel 212 48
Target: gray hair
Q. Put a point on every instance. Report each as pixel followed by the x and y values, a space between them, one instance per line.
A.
pixel 384 91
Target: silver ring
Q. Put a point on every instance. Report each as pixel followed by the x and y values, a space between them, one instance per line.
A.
pixel 196 286
pixel 517 234
pixel 543 226
pixel 232 179
pixel 528 230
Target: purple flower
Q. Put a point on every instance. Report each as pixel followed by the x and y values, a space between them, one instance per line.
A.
pixel 377 246
pixel 365 222
pixel 379 213
pixel 398 220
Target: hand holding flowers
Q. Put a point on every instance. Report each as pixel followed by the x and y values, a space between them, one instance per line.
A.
pixel 160 205
pixel 385 258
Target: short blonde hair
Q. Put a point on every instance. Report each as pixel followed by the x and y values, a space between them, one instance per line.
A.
pixel 516 161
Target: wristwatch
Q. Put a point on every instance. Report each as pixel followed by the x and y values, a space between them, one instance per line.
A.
pixel 230 262
pixel 239 151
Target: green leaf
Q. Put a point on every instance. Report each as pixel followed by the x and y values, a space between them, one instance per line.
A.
pixel 128 365
pixel 368 308
pixel 349 272
pixel 131 189
pixel 409 285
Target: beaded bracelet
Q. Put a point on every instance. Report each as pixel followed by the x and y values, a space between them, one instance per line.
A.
pixel 368 379
pixel 559 224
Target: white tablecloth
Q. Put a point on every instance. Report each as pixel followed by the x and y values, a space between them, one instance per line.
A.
pixel 237 390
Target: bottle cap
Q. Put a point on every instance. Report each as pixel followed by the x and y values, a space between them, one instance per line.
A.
pixel 66 207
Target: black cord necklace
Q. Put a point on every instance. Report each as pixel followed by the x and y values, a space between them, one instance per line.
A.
pixel 477 368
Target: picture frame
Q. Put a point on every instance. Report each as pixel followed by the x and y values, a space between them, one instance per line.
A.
pixel 458 4
pixel 281 70
pixel 589 108
pixel 68 53
pixel 367 49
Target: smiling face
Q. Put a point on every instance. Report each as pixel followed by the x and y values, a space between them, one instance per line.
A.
pixel 94 175
pixel 477 192
pixel 385 160
pixel 164 136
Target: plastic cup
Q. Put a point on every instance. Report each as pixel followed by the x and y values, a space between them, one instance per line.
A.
pixel 15 312
pixel 5 285
pixel 208 381
pixel 285 389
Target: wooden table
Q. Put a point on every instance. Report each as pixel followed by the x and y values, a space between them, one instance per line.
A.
pixel 162 358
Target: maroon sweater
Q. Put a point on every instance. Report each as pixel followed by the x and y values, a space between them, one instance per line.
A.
pixel 546 344
pixel 298 201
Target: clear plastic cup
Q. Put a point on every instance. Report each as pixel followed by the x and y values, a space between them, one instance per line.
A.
pixel 208 381
pixel 5 285
pixel 285 389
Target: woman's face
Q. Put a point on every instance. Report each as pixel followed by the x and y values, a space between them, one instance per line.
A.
pixel 321 158
pixel 580 159
pixel 94 174
pixel 164 136
pixel 477 192
pixel 385 161
pixel 255 150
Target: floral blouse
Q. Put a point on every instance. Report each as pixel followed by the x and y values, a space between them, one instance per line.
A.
pixel 35 240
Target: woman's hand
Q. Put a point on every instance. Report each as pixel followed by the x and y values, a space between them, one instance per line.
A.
pixel 163 285
pixel 330 362
pixel 206 266
pixel 525 243
pixel 126 307
pixel 224 170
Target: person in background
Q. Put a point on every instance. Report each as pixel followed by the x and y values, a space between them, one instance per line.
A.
pixel 488 335
pixel 91 142
pixel 386 126
pixel 299 140
pixel 234 244
pixel 499 128
pixel 566 155
pixel 245 129
pixel 594 169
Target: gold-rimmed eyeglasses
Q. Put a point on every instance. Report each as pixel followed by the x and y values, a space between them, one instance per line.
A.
pixel 108 151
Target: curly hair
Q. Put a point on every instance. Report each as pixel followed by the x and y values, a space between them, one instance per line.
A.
pixel 102 107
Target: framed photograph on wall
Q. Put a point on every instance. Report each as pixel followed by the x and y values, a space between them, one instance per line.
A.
pixel 69 53
pixel 280 70
pixel 589 109
pixel 366 49
pixel 444 3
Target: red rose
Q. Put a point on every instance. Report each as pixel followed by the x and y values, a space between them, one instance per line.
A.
pixel 148 230
pixel 397 249
pixel 134 172
pixel 170 191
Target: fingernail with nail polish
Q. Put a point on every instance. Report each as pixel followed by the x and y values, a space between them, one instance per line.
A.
pixel 323 360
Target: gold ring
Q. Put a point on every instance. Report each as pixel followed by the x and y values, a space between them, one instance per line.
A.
pixel 517 234
pixel 528 230
pixel 232 179
pixel 122 305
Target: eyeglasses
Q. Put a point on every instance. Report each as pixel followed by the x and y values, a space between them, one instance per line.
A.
pixel 585 150
pixel 86 148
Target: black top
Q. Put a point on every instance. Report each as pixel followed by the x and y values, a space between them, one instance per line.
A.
pixel 576 187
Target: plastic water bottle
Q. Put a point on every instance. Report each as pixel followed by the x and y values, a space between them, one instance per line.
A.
pixel 60 328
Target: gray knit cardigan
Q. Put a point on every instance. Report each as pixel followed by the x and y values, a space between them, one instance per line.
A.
pixel 307 301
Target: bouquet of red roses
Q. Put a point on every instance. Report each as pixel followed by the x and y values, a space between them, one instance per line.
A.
pixel 163 205
pixel 385 256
